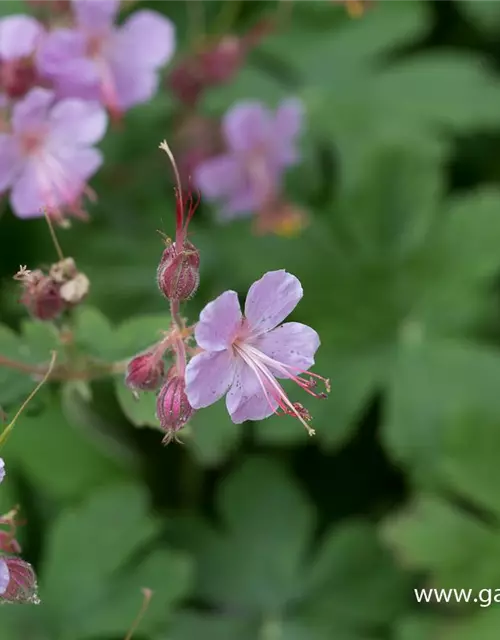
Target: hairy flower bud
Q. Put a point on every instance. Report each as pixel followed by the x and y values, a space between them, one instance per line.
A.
pixel 172 406
pixel 22 586
pixel 178 272
pixel 145 372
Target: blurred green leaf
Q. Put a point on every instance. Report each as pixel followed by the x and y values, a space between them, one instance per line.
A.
pixel 55 458
pixel 212 435
pixel 140 409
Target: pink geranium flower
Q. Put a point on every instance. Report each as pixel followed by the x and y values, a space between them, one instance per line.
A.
pixel 244 355
pixel 4 576
pixel 48 157
pixel 99 60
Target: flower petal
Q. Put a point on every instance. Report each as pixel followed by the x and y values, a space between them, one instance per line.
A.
pixel 246 126
pixel 32 110
pixel 133 84
pixel 78 121
pixel 244 203
pixel 10 160
pixel 62 59
pixel 287 125
pixel 219 322
pixel 271 299
pixel 95 14
pixel 219 177
pixel 4 576
pixel 208 377
pixel 147 38
pixel 246 399
pixel 293 344
pixel 19 36
pixel 2 469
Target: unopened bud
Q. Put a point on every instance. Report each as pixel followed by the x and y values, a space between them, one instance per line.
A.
pixel 22 587
pixel 178 273
pixel 145 372
pixel 172 406
pixel 220 64
pixel 17 77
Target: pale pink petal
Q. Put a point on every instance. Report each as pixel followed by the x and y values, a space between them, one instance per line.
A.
pixel 219 177
pixel 95 15
pixel 147 39
pixel 132 84
pixel 271 299
pixel 287 125
pixel 247 126
pixel 26 197
pixel 219 322
pixel 31 112
pixel 62 60
pixel 4 576
pixel 292 344
pixel 10 160
pixel 246 399
pixel 244 202
pixel 208 377
pixel 19 36
pixel 77 122
pixel 2 469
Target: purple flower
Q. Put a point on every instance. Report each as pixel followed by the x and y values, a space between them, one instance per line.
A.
pixel 2 469
pixel 245 354
pixel 100 61
pixel 21 587
pixel 260 145
pixel 19 37
pixel 4 576
pixel 47 159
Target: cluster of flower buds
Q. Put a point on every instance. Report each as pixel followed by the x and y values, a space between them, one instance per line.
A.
pixel 47 296
pixel 17 578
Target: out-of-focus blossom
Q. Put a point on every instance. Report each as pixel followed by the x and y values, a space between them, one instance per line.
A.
pixel 2 469
pixel 260 145
pixel 196 139
pixel 48 157
pixel 244 355
pixel 100 61
pixel 4 576
pixel 22 586
pixel 19 38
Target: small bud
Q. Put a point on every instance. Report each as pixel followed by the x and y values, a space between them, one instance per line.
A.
pixel 145 372
pixel 17 77
pixel 221 63
pixel 178 274
pixel 172 406
pixel 186 82
pixel 22 587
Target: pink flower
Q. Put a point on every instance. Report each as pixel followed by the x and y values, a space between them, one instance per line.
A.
pixel 4 576
pixel 98 60
pixel 260 146
pixel 48 157
pixel 244 355
pixel 2 469
pixel 19 37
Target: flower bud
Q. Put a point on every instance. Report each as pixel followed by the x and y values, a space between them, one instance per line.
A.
pixel 145 372
pixel 172 406
pixel 17 77
pixel 22 586
pixel 221 63
pixel 178 272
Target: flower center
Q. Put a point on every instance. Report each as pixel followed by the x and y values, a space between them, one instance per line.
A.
pixel 31 142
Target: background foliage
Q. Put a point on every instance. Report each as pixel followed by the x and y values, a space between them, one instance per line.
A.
pixel 255 532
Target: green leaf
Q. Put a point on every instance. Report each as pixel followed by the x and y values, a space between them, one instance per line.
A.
pixel 353 581
pixel 141 409
pixel 257 563
pixel 212 435
pixel 483 625
pixel 486 15
pixel 94 333
pixel 210 627
pixel 35 447
pixel 140 332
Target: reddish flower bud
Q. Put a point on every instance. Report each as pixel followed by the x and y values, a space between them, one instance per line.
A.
pixel 178 272
pixel 22 587
pixel 186 82
pixel 17 77
pixel 172 406
pixel 145 372
pixel 42 296
pixel 220 64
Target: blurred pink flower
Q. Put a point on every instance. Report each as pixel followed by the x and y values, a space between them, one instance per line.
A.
pixel 245 354
pixel 4 576
pixel 48 157
pixel 2 469
pixel 100 61
pixel 260 146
